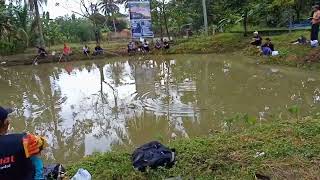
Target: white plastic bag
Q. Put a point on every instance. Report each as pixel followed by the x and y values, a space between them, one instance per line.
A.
pixel 82 174
pixel 275 53
pixel 314 43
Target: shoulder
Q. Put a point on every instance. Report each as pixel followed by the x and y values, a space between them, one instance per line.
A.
pixel 33 144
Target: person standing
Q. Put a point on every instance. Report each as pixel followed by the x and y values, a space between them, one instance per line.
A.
pixel 315 19
pixel 19 153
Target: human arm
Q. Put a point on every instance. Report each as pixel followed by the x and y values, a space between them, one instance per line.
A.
pixel 271 47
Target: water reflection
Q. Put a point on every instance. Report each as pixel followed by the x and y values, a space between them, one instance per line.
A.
pixel 93 106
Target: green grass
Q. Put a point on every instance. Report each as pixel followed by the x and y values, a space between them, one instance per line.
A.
pixel 292 151
pixel 290 55
pixel 220 43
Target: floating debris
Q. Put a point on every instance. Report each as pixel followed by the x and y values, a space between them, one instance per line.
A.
pixel 274 70
pixel 226 70
pixel 311 80
pixel 132 106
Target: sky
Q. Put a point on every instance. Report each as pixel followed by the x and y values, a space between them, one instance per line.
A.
pixel 58 8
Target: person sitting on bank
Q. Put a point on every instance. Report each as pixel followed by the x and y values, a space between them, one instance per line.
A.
pixel 139 45
pixel 66 52
pixel 19 152
pixel 256 40
pixel 98 50
pixel 146 46
pixel 86 50
pixel 131 47
pixel 158 45
pixel 267 48
pixel 42 52
pixel 301 40
pixel 166 44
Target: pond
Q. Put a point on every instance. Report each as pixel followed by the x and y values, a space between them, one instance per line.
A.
pixel 96 106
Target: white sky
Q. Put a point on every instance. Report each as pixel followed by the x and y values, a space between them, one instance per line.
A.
pixel 67 6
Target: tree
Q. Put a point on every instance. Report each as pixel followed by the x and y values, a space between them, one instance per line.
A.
pixel 109 8
pixel 34 6
pixel 12 37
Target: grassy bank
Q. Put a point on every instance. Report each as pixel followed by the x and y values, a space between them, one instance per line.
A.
pixel 292 55
pixel 287 150
pixel 112 49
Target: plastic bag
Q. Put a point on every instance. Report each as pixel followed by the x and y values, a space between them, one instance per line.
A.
pixel 314 43
pixel 275 53
pixel 82 174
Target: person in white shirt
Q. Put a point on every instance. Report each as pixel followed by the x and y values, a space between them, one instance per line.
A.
pixel 86 50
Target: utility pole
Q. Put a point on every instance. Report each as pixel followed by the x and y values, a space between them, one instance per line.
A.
pixel 205 16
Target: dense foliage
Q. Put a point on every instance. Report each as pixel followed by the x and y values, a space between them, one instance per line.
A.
pixel 20 27
pixel 224 14
pixel 20 22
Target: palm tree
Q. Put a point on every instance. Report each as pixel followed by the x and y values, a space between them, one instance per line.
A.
pixel 34 6
pixel 109 8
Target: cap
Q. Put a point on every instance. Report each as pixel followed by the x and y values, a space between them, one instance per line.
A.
pixel 4 112
pixel 255 32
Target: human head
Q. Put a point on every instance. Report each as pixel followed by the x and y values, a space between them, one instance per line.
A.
pixel 4 120
pixel 65 45
pixel 256 33
pixel 316 7
pixel 268 40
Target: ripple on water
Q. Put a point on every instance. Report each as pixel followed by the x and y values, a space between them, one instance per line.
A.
pixel 166 100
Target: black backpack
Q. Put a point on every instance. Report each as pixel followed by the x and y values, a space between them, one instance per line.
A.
pixel 153 155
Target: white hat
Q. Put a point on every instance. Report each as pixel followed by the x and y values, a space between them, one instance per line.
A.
pixel 256 32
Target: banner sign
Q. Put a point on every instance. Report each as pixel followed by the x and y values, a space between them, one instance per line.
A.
pixel 140 18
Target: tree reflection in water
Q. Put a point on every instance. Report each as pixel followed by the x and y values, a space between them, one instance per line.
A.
pixel 98 105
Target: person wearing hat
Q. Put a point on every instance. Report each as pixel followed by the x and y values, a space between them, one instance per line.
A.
pixel 18 152
pixel 315 19
pixel 256 40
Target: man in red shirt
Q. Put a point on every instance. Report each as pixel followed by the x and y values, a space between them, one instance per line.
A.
pixel 66 52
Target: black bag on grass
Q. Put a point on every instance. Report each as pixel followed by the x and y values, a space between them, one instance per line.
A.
pixel 153 155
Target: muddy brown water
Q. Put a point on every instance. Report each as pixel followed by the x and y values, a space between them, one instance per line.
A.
pixel 95 106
